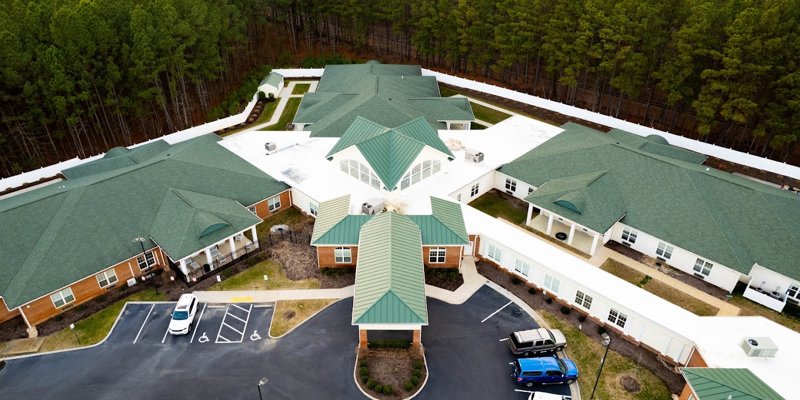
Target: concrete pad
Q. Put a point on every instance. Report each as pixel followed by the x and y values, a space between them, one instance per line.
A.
pixel 18 347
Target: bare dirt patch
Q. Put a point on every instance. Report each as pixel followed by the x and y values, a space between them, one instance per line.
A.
pixel 403 370
pixel 630 384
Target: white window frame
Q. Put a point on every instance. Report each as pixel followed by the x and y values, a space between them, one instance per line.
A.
pixel 584 300
pixel 702 267
pixel 629 235
pixel 252 209
pixel 493 252
pixel 476 188
pixel 552 283
pixel 522 267
pixel 793 291
pixel 664 250
pixel 511 185
pixel 148 259
pixel 65 296
pixel 617 318
pixel 274 203
pixel 343 255
pixel 108 276
pixel 437 255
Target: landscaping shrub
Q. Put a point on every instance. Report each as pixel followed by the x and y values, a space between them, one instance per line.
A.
pixel 379 388
pixel 565 310
pixel 262 95
pixel 647 278
pixel 408 386
pixel 370 383
pixel 271 97
pixel 548 300
pixel 389 344
pixel 532 290
pixel 417 373
pixel 363 363
pixel 364 378
pixel 415 380
pixel 515 280
pixel 363 371
pixel 601 330
pixel 388 389
pixel 581 318
pixel 418 364
pixel 452 275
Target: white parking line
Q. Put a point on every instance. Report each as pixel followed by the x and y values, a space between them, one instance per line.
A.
pixel 237 331
pixel 248 320
pixel 503 339
pixel 498 310
pixel 199 319
pixel 237 318
pixel 165 335
pixel 263 306
pixel 523 391
pixel 143 323
pixel 225 324
pixel 242 308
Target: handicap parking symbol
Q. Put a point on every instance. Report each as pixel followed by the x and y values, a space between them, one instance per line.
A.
pixel 203 338
pixel 255 336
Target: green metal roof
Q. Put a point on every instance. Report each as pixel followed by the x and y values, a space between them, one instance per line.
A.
pixel 390 278
pixel 273 79
pixel 728 219
pixel 66 231
pixel 389 95
pixel 188 221
pixel 390 152
pixel 728 384
pixel 334 227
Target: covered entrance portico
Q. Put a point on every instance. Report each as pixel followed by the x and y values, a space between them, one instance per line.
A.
pixel 567 231
pixel 218 254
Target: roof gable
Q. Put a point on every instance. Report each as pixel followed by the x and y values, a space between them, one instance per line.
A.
pixel 728 383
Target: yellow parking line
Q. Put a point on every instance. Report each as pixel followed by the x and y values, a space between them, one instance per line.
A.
pixel 242 299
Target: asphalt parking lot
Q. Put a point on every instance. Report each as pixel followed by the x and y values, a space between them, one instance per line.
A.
pixel 229 351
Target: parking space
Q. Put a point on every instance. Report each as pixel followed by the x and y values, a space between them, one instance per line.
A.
pixel 148 323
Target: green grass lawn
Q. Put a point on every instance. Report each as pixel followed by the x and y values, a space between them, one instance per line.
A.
pixel 749 308
pixel 445 91
pixel 659 288
pixel 95 328
pixel 288 115
pixel 586 354
pixel 253 279
pixel 291 313
pixel 301 88
pixel 266 114
pixel 491 203
pixel 487 114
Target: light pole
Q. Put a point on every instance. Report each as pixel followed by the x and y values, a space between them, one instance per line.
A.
pixel 261 382
pixel 607 343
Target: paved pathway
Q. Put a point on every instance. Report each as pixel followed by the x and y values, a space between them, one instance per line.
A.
pixel 472 282
pixel 603 253
pixel 283 97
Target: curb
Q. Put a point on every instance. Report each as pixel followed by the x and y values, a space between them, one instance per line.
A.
pixel 369 396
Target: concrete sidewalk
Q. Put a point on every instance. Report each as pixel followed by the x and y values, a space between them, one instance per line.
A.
pixel 472 282
pixel 603 253
pixel 271 296
pixel 284 97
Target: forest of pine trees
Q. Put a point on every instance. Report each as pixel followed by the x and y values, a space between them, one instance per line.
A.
pixel 80 76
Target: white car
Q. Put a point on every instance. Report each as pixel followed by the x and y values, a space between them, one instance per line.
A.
pixel 547 396
pixel 183 317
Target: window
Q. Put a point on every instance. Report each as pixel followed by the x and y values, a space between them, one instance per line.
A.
pixel 426 169
pixel 702 266
pixel 493 252
pixel 62 298
pixel 522 267
pixel 274 203
pixel 530 190
pixel 551 283
pixel 252 209
pixel 312 208
pixel 437 255
pixel 107 278
pixel 583 300
pixel 420 172
pixel 793 291
pixel 342 255
pixel 474 191
pixel 617 318
pixel 629 235
pixel 511 185
pixel 664 250
pixel 361 172
pixel 147 261
pixel 437 166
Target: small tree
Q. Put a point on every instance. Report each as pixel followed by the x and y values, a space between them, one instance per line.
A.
pixel 262 95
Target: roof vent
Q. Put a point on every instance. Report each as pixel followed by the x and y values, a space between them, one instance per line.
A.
pixel 270 147
pixel 759 347
pixel 473 155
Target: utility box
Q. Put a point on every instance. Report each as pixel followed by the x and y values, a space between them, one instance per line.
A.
pixel 473 155
pixel 271 147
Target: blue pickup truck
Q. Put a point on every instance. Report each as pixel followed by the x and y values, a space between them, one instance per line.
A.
pixel 544 370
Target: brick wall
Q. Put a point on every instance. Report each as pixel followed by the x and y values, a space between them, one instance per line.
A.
pixel 685 393
pixel 5 314
pixel 326 258
pixel 262 207
pixel 452 257
pixel 86 289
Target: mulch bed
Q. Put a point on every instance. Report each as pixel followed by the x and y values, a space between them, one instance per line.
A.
pixel 14 328
pixel 299 261
pixel 641 356
pixel 670 271
pixel 445 278
pixel 392 367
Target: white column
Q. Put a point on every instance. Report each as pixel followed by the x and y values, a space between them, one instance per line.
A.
pixel 209 260
pixel 530 214
pixel 448 125
pixel 571 233
pixel 232 248
pixel 594 244
pixel 549 223
pixel 468 124
pixel 255 236
pixel 183 267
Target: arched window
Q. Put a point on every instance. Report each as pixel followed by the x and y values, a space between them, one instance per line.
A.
pixel 361 172
pixel 419 172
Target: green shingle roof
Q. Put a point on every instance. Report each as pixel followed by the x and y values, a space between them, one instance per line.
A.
pixel 66 231
pixel 389 95
pixel 390 279
pixel 725 218
pixel 334 227
pixel 390 152
pixel 728 384
pixel 273 79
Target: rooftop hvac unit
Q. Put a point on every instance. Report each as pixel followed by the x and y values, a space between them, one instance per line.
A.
pixel 290 127
pixel 759 347
pixel 372 207
pixel 473 155
pixel 271 147
pixel 131 282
